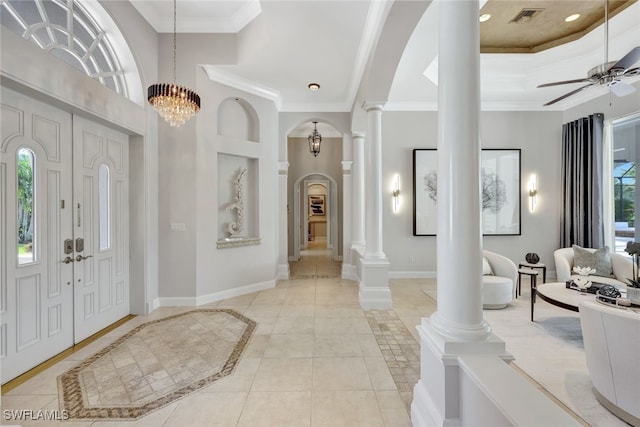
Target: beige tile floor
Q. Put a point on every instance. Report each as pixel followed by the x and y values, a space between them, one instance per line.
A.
pixel 314 361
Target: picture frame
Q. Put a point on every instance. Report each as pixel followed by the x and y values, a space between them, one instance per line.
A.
pixel 500 182
pixel 317 204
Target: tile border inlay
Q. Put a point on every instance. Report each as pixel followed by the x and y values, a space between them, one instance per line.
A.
pixel 400 350
pixel 71 388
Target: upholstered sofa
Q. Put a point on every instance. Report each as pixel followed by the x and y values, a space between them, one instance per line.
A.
pixel 621 265
pixel 498 284
pixel 612 348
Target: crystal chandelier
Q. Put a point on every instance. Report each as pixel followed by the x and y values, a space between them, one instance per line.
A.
pixel 314 140
pixel 175 104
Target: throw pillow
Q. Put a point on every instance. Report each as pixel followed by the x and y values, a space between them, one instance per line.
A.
pixel 486 267
pixel 600 259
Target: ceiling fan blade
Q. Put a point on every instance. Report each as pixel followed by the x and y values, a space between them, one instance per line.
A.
pixel 632 72
pixel 563 82
pixel 566 95
pixel 628 60
pixel 622 89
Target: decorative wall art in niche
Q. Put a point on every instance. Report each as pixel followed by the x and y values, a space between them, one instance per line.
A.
pixel 500 183
pixel 236 228
pixel 238 212
pixel 317 205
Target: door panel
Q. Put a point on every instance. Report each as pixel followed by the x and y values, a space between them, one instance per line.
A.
pixel 101 219
pixel 36 312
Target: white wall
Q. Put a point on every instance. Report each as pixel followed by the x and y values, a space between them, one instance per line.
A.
pixel 222 270
pixel 177 159
pixel 537 134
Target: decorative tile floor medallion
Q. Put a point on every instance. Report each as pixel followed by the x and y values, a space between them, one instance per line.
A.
pixel 155 364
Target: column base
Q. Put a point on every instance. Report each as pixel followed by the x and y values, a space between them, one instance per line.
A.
pixel 437 395
pixel 374 284
pixel 349 272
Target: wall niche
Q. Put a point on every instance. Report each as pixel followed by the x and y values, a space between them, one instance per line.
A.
pixel 238 206
pixel 238 119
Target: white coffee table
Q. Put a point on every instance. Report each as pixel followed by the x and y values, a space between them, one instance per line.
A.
pixel 558 295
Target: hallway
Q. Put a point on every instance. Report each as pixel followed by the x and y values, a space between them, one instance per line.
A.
pixel 315 262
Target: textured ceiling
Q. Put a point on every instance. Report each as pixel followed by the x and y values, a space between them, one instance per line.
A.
pixel 546 28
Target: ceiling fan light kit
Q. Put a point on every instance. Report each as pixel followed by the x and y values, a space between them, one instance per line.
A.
pixel 610 73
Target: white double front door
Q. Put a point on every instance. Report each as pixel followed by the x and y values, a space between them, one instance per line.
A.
pixel 64 254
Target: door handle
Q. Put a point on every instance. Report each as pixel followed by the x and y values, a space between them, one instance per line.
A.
pixel 80 257
pixel 67 260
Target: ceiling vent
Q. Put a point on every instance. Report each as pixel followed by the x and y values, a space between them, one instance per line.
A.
pixel 525 15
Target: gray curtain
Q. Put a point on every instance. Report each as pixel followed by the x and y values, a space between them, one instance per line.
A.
pixel 581 221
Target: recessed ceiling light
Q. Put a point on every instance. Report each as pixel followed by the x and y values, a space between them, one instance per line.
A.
pixel 572 18
pixel 485 17
pixel 314 86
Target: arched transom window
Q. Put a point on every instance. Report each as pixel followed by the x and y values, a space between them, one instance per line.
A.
pixel 65 29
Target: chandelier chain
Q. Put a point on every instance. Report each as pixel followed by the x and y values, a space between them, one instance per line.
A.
pixel 175 44
pixel 176 104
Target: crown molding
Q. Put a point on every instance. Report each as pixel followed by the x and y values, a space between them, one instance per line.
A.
pixel 217 75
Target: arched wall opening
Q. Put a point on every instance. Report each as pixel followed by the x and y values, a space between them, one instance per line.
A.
pixel 305 168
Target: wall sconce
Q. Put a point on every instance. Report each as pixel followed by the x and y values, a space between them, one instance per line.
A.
pixel 396 193
pixel 533 192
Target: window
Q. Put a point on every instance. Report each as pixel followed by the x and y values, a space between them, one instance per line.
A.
pixel 626 141
pixel 25 193
pixel 66 30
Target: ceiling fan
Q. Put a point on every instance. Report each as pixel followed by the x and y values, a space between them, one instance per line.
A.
pixel 608 74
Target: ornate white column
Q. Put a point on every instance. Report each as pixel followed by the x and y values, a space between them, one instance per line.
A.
pixel 347 213
pixel 374 267
pixel 358 221
pixel 283 216
pixel 457 326
pixel 373 182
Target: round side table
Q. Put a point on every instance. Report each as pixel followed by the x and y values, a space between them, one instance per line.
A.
pixel 524 264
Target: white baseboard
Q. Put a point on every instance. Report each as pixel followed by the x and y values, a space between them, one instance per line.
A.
pixel 412 275
pixel 216 296
pixel 155 303
pixel 551 275
pixel 283 272
pixel 177 302
pixel 236 292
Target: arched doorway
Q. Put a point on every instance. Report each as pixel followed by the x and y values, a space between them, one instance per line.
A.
pixel 311 221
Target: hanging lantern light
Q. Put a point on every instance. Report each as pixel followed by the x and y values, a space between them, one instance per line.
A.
pixel 314 140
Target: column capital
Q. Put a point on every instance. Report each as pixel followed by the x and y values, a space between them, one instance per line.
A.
pixel 355 135
pixel 346 166
pixel 373 106
pixel 283 168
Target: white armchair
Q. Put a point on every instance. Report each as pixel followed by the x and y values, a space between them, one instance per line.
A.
pixel 612 347
pixel 499 288
pixel 621 265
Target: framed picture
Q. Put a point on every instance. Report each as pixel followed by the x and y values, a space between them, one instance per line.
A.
pixel 500 183
pixel 317 205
